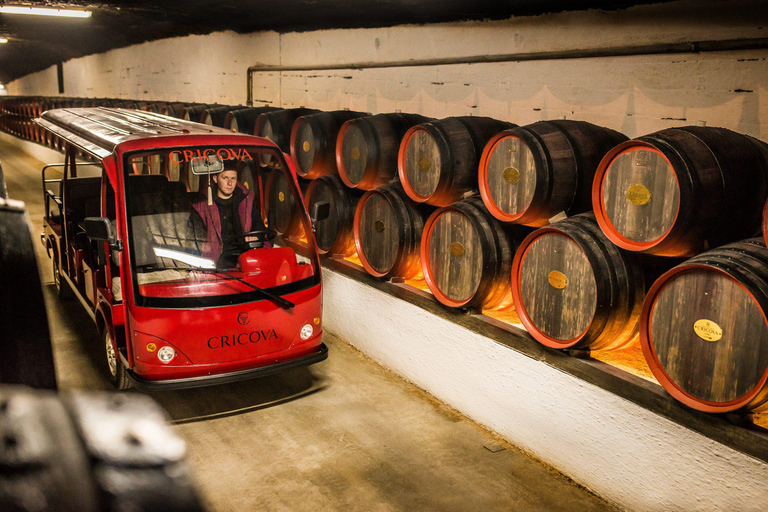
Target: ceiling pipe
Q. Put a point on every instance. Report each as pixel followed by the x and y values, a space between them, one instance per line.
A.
pixel 613 51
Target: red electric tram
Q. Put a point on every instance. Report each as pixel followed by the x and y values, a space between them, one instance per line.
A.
pixel 120 226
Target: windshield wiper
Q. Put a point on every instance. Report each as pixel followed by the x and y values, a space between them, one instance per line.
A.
pixel 283 303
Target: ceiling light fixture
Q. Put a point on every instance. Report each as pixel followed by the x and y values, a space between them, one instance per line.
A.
pixel 44 11
pixel 3 40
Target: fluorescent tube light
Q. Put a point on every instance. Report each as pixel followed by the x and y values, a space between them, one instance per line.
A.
pixel 44 11
pixel 3 40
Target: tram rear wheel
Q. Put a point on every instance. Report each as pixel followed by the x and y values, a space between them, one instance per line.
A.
pixel 63 289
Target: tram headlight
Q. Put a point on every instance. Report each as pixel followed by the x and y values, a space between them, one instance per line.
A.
pixel 306 332
pixel 166 354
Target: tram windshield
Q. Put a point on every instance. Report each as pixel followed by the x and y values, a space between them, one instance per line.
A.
pixel 206 227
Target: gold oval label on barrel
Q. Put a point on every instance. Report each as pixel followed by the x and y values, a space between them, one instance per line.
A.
pixel 424 163
pixel 355 153
pixel 457 249
pixel 281 197
pixel 558 280
pixel 707 330
pixel 378 226
pixel 639 195
pixel 511 175
pixel 305 146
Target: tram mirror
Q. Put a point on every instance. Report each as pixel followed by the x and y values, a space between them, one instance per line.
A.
pixel 212 165
pixel 98 228
pixel 320 211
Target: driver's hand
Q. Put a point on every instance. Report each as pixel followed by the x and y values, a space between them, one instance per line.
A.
pixel 251 239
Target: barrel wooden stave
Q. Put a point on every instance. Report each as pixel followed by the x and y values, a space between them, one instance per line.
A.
pixel 243 120
pixel 367 147
pixel 334 235
pixel 577 290
pixel 692 188
pixel 279 201
pixel 704 331
pixel 313 141
pixel 438 160
pixel 194 112
pixel 388 229
pixel 531 173
pixel 215 116
pixel 466 256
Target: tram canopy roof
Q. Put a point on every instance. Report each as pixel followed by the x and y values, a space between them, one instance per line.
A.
pixel 99 130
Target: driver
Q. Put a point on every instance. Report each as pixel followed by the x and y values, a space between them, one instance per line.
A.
pixel 234 211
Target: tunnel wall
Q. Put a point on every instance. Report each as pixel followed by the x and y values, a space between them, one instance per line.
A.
pixel 634 94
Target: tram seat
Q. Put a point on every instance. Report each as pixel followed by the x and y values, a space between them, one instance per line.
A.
pixel 83 199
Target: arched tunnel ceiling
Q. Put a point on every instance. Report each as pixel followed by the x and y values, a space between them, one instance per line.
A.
pixel 35 42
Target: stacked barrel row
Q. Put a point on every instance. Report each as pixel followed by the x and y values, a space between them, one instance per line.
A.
pixel 569 222
pixel 17 114
pixel 612 216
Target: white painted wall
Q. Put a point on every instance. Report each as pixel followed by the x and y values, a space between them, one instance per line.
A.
pixel 635 95
pixel 621 451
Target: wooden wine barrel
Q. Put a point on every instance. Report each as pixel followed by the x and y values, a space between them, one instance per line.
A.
pixel 681 190
pixel 704 331
pixel 193 112
pixel 334 235
pixel 313 141
pixel 174 109
pixel 155 107
pixel 574 289
pixel 276 126
pixel 438 161
pixel 466 256
pixel 367 147
pixel 279 202
pixel 388 228
pixel 531 173
pixel 243 120
pixel 215 116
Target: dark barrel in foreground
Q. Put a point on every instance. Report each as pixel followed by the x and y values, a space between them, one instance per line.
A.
pixel 334 235
pixel 704 331
pixel 438 160
pixel 466 256
pixel 90 452
pixel 388 228
pixel 679 191
pixel 531 173
pixel 573 288
pixel 366 148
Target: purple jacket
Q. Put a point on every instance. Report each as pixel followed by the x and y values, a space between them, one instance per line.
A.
pixel 210 215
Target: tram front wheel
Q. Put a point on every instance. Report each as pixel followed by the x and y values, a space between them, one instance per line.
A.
pixel 117 374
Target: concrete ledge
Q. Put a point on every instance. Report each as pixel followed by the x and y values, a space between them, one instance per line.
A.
pixel 641 451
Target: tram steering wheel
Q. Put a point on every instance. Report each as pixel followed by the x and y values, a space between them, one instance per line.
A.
pixel 261 235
